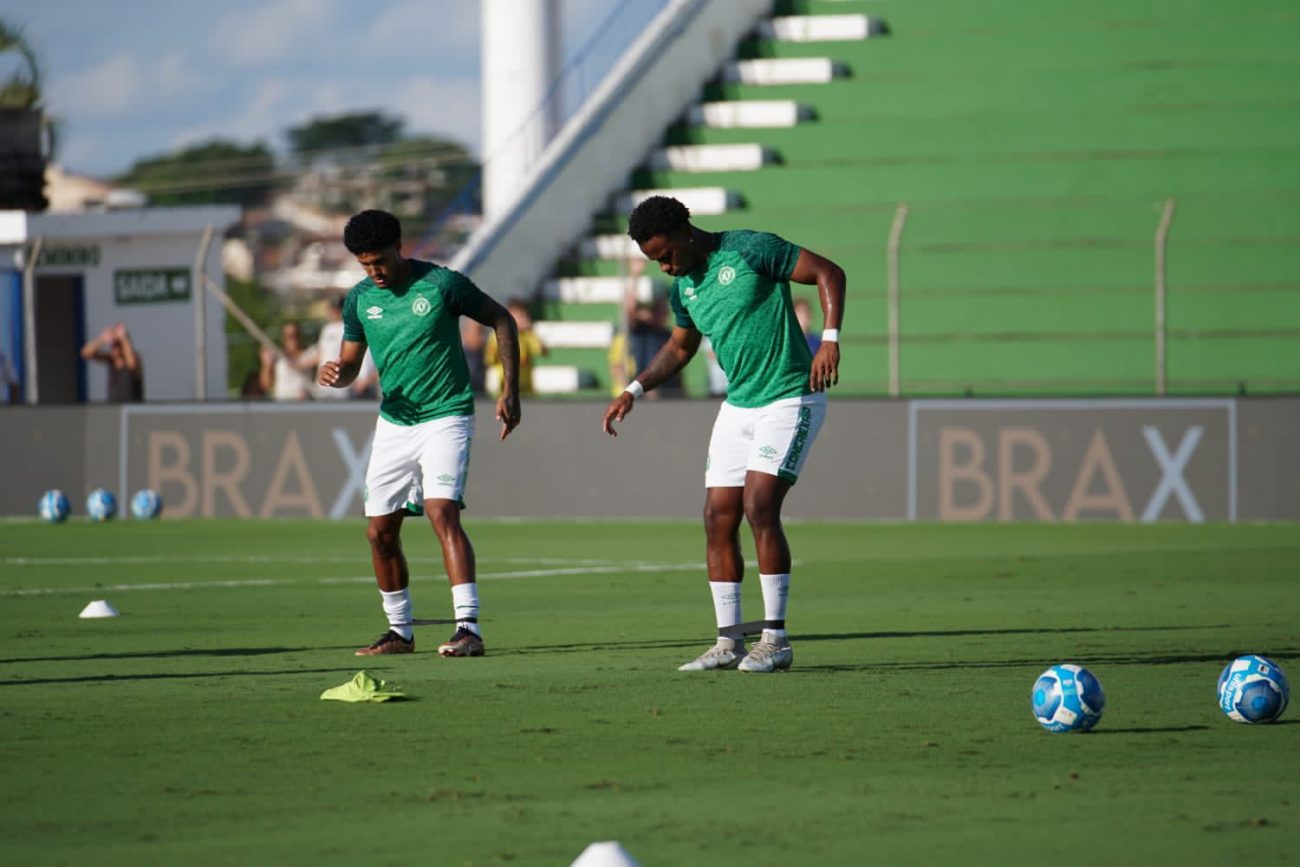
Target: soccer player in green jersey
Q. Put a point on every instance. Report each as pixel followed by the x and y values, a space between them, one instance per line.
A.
pixel 407 312
pixel 734 288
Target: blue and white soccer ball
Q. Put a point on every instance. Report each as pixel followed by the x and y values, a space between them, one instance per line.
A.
pixel 1252 689
pixel 146 504
pixel 101 505
pixel 55 506
pixel 1068 698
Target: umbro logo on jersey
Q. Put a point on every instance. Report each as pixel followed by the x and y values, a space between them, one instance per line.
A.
pixel 375 312
pixel 689 292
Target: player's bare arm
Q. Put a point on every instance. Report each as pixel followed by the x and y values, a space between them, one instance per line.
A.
pixel 676 353
pixel 498 318
pixel 340 372
pixel 812 269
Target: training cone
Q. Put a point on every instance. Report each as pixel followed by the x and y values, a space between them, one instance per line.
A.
pixel 98 608
pixel 606 854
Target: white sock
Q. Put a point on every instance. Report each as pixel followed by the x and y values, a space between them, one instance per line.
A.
pixel 776 589
pixel 397 605
pixel 726 607
pixel 464 600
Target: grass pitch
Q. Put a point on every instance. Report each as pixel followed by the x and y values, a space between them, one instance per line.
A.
pixel 189 730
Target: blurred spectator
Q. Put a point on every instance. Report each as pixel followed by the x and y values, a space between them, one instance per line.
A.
pixel 622 366
pixel 113 347
pixel 8 379
pixel 328 345
pixel 803 312
pixel 473 338
pixel 530 349
pixel 646 335
pixel 252 385
pixel 286 374
pixel 717 376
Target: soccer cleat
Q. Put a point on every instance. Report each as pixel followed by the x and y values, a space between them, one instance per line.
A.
pixel 772 653
pixel 389 642
pixel 463 643
pixel 717 658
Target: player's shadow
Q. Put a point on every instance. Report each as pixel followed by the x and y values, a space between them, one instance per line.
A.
pixel 163 654
pixel 798 638
pixel 1149 730
pixel 115 678
pixel 1163 657
pixel 957 633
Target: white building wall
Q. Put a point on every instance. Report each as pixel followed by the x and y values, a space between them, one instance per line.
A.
pixel 164 332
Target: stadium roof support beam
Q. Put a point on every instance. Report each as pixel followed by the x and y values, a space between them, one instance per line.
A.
pixel 650 86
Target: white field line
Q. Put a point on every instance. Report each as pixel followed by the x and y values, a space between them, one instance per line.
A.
pixel 139 560
pixel 607 569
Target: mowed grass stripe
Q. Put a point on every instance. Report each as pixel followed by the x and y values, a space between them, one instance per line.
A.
pixel 191 730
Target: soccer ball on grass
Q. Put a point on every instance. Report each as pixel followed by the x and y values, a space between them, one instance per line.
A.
pixel 54 506
pixel 1068 698
pixel 1252 689
pixel 146 504
pixel 101 505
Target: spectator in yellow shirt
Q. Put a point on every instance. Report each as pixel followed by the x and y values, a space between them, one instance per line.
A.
pixel 531 348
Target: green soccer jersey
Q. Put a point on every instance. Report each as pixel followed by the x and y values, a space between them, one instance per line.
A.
pixel 414 337
pixel 740 299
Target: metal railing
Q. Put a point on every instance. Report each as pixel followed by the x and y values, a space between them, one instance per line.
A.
pixel 900 342
pixel 575 82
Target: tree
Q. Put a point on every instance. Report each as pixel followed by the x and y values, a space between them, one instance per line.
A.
pixel 440 166
pixel 218 171
pixel 26 135
pixel 323 136
pixel 21 90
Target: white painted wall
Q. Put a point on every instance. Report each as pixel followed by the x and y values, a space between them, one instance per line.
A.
pixel 651 85
pixel 163 332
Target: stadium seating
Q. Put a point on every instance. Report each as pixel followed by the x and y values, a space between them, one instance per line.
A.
pixel 1036 154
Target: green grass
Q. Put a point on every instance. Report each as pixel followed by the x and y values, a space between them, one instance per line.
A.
pixel 189 729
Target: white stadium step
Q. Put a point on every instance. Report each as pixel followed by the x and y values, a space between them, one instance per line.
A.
pixel 597 290
pixel 575 335
pixel 787 70
pixel 821 28
pixel 547 379
pixel 701 201
pixel 609 247
pixel 748 114
pixel 712 158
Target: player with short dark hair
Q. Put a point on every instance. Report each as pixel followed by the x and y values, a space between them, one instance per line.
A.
pixel 407 312
pixel 734 288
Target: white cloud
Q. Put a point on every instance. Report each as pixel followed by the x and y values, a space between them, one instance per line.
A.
pixel 110 88
pixel 411 28
pixel 261 118
pixel 444 106
pixel 273 32
pixel 176 77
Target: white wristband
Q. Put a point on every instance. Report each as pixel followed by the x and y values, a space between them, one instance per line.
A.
pixel 635 388
pixel 832 335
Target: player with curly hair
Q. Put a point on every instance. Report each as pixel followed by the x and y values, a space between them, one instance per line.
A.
pixel 734 288
pixel 407 312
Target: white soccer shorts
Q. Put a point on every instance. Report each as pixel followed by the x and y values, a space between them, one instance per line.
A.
pixel 773 439
pixel 411 462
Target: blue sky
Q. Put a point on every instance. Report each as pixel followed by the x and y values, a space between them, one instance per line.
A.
pixel 134 78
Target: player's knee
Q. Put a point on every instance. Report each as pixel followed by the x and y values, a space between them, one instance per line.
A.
pixel 383 540
pixel 445 517
pixel 762 513
pixel 720 518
